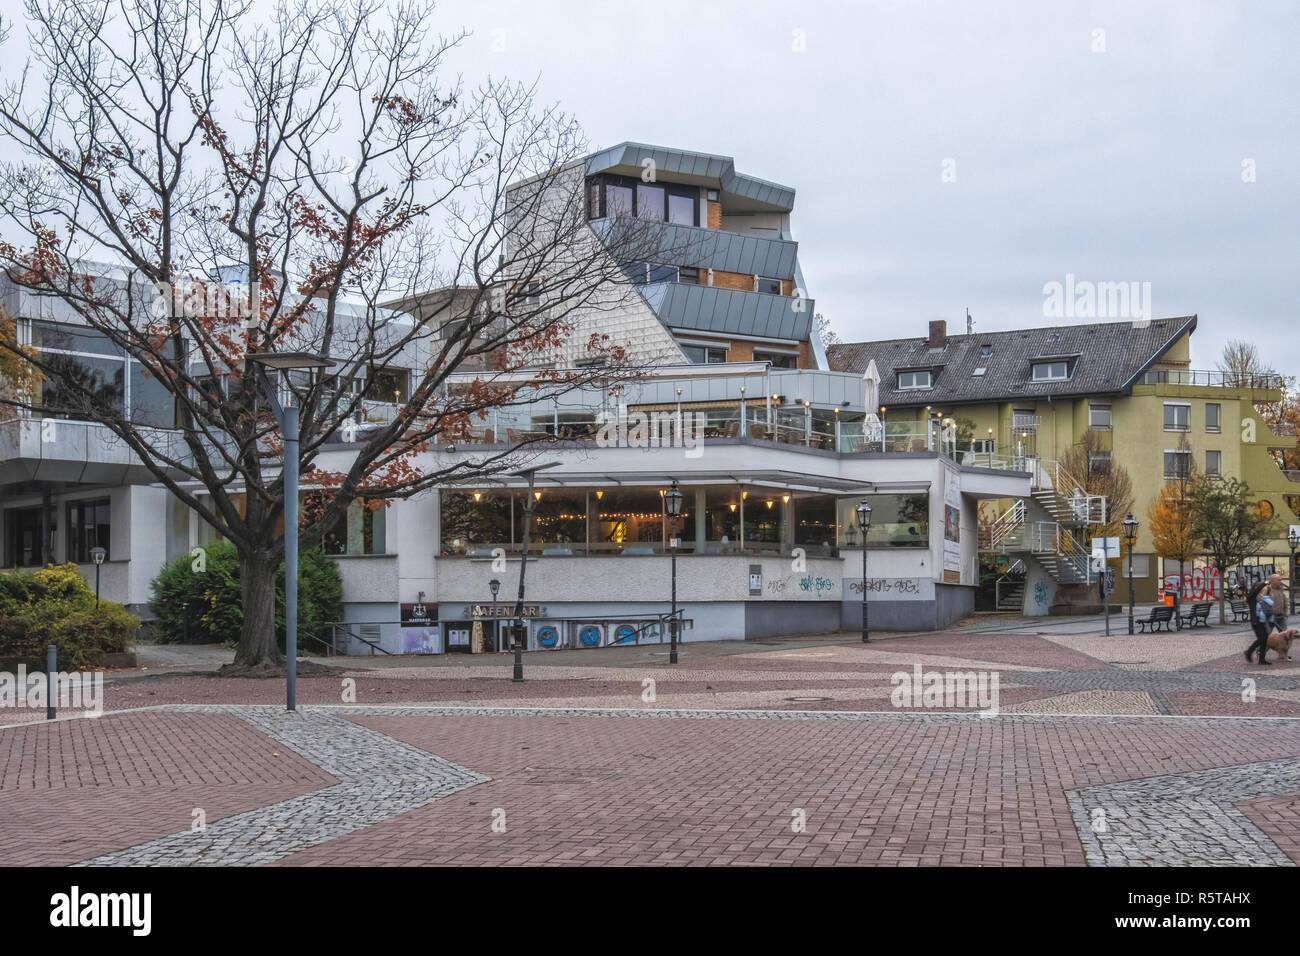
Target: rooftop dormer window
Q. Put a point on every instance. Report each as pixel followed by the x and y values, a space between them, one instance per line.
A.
pixel 1057 370
pixel 917 378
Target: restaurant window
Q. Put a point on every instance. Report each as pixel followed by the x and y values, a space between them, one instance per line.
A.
pixel 359 529
pixel 814 521
pixel 88 527
pixel 388 385
pixel 897 521
pixel 475 523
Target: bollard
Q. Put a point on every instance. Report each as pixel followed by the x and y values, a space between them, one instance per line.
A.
pixel 185 632
pixel 51 665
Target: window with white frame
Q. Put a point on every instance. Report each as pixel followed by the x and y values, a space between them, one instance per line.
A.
pixel 1057 371
pixel 764 284
pixel 915 379
pixel 1099 417
pixel 1177 416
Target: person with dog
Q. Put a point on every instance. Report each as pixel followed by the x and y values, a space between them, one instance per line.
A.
pixel 1261 612
pixel 1277 592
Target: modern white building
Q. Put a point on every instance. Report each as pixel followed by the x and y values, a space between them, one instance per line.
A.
pixel 771 451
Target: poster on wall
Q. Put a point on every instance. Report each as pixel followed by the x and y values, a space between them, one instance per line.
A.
pixel 952 526
pixel 420 632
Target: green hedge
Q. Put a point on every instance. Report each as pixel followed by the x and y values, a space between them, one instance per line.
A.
pixel 216 600
pixel 56 606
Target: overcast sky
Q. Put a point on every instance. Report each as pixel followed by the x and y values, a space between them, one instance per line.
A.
pixel 1124 164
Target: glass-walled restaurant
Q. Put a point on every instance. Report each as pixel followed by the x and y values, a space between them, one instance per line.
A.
pixel 714 520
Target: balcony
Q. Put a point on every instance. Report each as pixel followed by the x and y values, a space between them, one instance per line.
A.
pixel 54 449
pixel 1210 379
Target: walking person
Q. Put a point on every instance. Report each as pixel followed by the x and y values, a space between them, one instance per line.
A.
pixel 1277 592
pixel 1261 612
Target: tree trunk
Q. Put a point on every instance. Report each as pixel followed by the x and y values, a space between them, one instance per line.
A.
pixel 258 648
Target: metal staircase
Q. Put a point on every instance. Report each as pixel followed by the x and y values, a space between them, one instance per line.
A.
pixel 1056 539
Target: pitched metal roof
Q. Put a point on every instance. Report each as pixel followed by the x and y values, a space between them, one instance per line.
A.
pixel 719 171
pixel 716 249
pixel 713 309
pixel 1111 355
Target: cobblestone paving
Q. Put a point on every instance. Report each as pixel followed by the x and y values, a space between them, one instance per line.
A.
pixel 370 815
pixel 1183 819
pixel 378 778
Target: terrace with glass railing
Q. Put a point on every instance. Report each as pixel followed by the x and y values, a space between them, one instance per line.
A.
pixel 793 408
pixel 1211 378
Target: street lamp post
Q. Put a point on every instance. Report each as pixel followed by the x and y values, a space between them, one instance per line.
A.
pixel 287 419
pixel 864 525
pixel 1130 535
pixel 99 554
pixel 673 505
pixel 1293 539
pixel 494 586
pixel 530 504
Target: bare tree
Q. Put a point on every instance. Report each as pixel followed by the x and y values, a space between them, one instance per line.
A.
pixel 1241 365
pixel 316 153
pixel 1089 463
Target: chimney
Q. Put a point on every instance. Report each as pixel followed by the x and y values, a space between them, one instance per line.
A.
pixel 939 334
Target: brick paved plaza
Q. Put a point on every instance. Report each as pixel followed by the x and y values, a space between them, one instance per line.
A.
pixel 1104 751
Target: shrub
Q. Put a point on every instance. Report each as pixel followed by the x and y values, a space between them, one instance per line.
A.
pixel 55 606
pixel 216 599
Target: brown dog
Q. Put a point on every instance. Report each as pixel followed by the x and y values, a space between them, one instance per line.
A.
pixel 1280 641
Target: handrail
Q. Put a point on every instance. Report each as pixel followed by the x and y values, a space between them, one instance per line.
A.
pixel 336 626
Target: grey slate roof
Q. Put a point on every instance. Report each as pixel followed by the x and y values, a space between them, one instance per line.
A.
pixel 716 249
pixel 720 171
pixel 713 309
pixel 1111 355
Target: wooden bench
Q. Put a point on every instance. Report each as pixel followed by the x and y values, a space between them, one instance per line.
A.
pixel 1240 610
pixel 1160 617
pixel 1198 615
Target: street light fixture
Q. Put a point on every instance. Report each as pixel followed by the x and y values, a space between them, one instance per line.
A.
pixel 864 525
pixel 530 504
pixel 1293 539
pixel 673 505
pixel 287 419
pixel 99 554
pixel 1130 535
pixel 494 586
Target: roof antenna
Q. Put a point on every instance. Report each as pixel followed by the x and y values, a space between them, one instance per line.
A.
pixel 970 323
